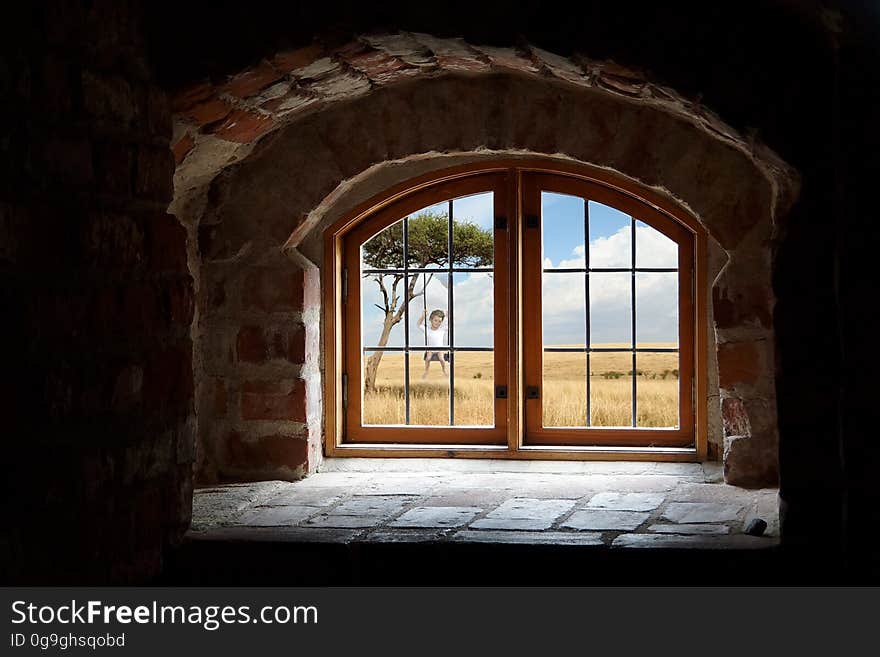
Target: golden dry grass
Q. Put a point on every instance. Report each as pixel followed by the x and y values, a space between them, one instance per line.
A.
pixel 564 390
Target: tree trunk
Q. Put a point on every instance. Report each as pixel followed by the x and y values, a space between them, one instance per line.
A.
pixel 392 317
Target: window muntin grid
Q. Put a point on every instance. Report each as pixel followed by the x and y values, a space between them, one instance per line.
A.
pixel 465 259
pixel 622 252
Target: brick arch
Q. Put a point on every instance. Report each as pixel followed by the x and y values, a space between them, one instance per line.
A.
pixel 269 158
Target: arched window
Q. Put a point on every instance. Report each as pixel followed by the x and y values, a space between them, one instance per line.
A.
pixel 519 311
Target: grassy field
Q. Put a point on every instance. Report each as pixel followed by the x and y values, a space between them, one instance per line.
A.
pixel 564 393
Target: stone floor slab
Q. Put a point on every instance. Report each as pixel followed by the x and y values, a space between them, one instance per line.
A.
pixel 601 520
pixel 372 505
pixel 525 524
pixel 276 516
pixel 293 495
pixel 344 522
pixel 691 512
pixel 530 508
pixel 660 541
pixel 404 536
pixel 437 516
pixel 530 538
pixel 618 501
pixel 718 530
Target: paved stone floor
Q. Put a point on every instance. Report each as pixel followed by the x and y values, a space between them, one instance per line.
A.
pixel 610 504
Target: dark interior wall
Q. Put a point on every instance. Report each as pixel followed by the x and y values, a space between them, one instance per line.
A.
pixel 98 390
pixel 796 75
pixel 97 301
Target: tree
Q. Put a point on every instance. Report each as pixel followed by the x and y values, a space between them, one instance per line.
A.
pixel 427 245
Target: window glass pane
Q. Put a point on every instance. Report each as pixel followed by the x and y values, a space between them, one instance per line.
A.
pixel 657 390
pixel 385 249
pixel 611 389
pixel 653 248
pixel 383 390
pixel 430 300
pixel 381 310
pixel 657 309
pixel 563 310
pixel 562 231
pixel 428 237
pixel 429 388
pixel 564 390
pixel 473 306
pixel 474 388
pixel 610 309
pixel 473 230
pixel 610 237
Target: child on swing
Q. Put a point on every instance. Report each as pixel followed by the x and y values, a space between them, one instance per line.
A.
pixel 435 336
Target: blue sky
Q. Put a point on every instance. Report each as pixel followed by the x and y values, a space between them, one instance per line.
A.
pixel 563 294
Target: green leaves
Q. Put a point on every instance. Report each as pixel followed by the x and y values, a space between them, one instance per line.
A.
pixel 428 244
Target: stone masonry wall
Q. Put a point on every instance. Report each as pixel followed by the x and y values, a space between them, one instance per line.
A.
pixel 97 303
pixel 259 154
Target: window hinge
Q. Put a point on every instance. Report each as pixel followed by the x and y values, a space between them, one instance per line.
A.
pixel 532 392
pixel 344 283
pixel 500 392
pixel 345 391
pixel 500 223
pixel 532 221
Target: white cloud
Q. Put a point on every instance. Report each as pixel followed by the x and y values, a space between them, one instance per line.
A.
pixel 563 297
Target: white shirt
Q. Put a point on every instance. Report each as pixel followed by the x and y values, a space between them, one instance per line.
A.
pixel 436 337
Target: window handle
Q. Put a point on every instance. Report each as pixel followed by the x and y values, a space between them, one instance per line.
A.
pixel 532 392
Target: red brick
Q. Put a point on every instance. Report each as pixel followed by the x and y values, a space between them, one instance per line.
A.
pixel 251 345
pixel 752 305
pixel 273 291
pixel 252 81
pixel 182 148
pixel 289 343
pixel 738 362
pixel 459 63
pixel 269 400
pixel 300 58
pixel 210 111
pixel 243 126
pixel 267 452
pixel 380 67
pixel 734 417
pixel 190 96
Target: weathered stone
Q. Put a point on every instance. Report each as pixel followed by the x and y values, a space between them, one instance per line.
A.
pixel 738 363
pixel 437 516
pixel 692 512
pixel 276 516
pixel 689 529
pixel 599 520
pixel 372 505
pixel 529 538
pixel 252 81
pixel 273 400
pixel 243 126
pixel 734 417
pixel 670 541
pixel 626 501
pixel 521 524
pixel 531 508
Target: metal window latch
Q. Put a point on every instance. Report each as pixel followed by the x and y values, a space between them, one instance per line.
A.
pixel 532 392
pixel 500 392
pixel 532 221
pixel 500 223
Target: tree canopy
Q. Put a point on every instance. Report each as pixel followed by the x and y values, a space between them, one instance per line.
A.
pixel 427 244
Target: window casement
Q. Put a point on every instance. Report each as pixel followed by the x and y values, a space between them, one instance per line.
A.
pixel 516 311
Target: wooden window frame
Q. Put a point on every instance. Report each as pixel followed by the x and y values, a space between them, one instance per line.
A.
pixel 511 202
